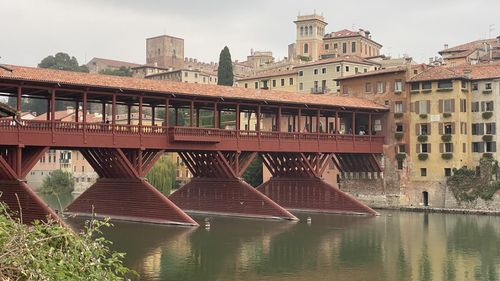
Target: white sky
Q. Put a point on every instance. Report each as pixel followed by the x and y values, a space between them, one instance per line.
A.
pixel 33 29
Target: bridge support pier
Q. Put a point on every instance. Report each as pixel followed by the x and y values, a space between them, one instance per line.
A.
pixel 296 184
pixel 15 163
pixel 122 193
pixel 217 187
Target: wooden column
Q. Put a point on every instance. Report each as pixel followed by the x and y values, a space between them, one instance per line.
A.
pixel 299 123
pixel 113 110
pixel 337 129
pixel 318 114
pixel 53 105
pixel 18 102
pixel 353 123
pixel 176 117
pixel 77 111
pixel 197 117
pixel 216 115
pixel 84 108
pixel 48 114
pixel 140 111
pixel 153 115
pixel 191 113
pixel 129 114
pixel 103 112
pixel 278 120
pixel 238 126
pixel 257 127
pixel 167 113
pixel 370 124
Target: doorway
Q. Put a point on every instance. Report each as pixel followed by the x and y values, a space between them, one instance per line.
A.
pixel 425 197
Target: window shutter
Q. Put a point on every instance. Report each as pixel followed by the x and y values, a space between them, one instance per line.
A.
pixel 418 148
pixel 396 149
pixel 452 148
pixel 481 147
pixel 453 105
pixel 441 147
pixel 428 107
pixel 493 128
pixel 429 148
pixel 412 107
pixel 429 126
pixel 440 106
pixel 481 128
pixel 453 128
pixel 494 147
pixel 417 129
pixel 483 106
pixel 403 105
pixel 417 107
pixel 440 128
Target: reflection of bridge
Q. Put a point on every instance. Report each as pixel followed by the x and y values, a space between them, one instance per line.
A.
pixel 216 130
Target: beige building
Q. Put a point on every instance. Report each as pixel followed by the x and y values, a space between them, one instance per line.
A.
pixel 284 80
pixel 347 42
pixel 310 32
pixel 165 51
pixel 195 76
pixel 96 65
pixel 485 50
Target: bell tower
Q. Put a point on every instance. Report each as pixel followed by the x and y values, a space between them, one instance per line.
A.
pixel 310 33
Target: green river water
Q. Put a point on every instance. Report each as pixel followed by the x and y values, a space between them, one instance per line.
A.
pixel 393 246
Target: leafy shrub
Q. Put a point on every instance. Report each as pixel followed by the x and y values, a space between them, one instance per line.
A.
pixel 58 182
pixel 398 136
pixel 423 156
pixel 446 138
pixel 401 156
pixel 422 138
pixel 487 138
pixel 447 156
pixel 423 116
pixel 446 115
pixel 49 251
pixel 398 115
pixel 487 114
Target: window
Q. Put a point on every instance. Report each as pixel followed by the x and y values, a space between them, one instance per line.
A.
pixel 400 164
pixel 447 147
pixel 323 70
pixel 301 86
pixel 463 105
pixel 445 84
pixel 368 87
pixel 477 129
pixel 427 85
pixel 448 106
pixel 315 71
pixel 345 90
pixel 490 128
pixel 327 46
pixel 306 48
pixel 380 87
pixel 424 129
pixel 398 106
pixel 301 73
pixel 282 82
pixel 256 85
pixel 401 148
pixel 353 47
pixel 315 85
pixel 346 68
pixel 448 128
pixel 487 106
pixel 447 172
pixel 425 148
pixel 337 83
pixel 356 70
pixel 196 75
pixel 399 127
pixel 344 47
pixel 474 86
pixel 463 84
pixel 186 74
pixel 274 83
pixel 415 86
pixel 423 172
pixel 290 81
pixel 424 107
pixel 475 106
pixel 478 147
pixel 323 85
pixel 491 146
pixel 487 86
pixel 398 86
pixel 335 45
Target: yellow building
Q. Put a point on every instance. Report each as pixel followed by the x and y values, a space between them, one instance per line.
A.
pixel 310 31
pixel 283 80
pixel 187 75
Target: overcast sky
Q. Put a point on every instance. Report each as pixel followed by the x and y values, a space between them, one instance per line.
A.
pixel 116 29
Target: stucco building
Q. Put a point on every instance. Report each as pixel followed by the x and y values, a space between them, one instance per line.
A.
pixel 97 65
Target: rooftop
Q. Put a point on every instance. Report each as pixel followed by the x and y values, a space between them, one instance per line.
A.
pixel 154 87
pixel 271 73
pixel 114 63
pixel 350 58
pixel 471 72
pixel 469 46
pixel 375 72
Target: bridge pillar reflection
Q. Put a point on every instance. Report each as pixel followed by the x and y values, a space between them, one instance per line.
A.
pixel 296 183
pixel 217 187
pixel 121 192
pixel 15 164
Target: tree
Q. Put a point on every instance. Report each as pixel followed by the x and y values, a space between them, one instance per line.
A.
pixel 122 71
pixel 253 174
pixel 58 182
pixel 62 61
pixel 225 74
pixel 162 175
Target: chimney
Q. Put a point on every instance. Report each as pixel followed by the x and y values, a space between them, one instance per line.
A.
pixel 445 46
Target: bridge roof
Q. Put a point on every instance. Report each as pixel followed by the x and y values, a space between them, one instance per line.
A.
pixel 99 81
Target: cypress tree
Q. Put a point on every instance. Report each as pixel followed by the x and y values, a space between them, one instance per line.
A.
pixel 225 74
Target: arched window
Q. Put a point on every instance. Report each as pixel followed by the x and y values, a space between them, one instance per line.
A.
pixel 306 48
pixel 310 30
pixel 301 30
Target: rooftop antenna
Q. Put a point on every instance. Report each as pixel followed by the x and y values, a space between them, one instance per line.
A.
pixel 491 27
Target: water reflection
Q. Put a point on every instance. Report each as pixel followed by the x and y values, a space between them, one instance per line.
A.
pixel 394 246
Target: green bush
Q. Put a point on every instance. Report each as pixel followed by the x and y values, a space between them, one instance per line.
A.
pixel 401 156
pixel 398 115
pixel 422 138
pixel 58 182
pixel 447 115
pixel 487 114
pixel 49 251
pixel 423 156
pixel 398 136
pixel 446 138
pixel 423 116
pixel 447 156
pixel 487 138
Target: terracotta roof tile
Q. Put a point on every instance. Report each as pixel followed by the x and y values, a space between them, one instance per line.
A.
pixel 472 72
pixel 115 63
pixel 147 86
pixel 467 46
pixel 350 58
pixel 375 72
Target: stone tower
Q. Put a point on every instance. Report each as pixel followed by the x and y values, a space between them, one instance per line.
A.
pixel 165 51
pixel 310 32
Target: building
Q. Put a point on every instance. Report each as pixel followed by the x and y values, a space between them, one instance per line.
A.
pixel 321 77
pixel 309 40
pixel 186 75
pixel 96 65
pixel 165 51
pixel 484 50
pixel 347 42
pixel 285 80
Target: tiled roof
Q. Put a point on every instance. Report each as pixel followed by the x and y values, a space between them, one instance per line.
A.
pixel 467 46
pixel 6 110
pixel 344 33
pixel 375 72
pixel 114 63
pixel 64 115
pixel 473 72
pixel 93 81
pixel 350 58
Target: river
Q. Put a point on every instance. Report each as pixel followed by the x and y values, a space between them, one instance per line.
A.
pixel 393 246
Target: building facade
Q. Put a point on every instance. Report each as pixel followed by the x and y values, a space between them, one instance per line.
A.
pixel 310 31
pixel 97 65
pixel 165 51
pixel 347 42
